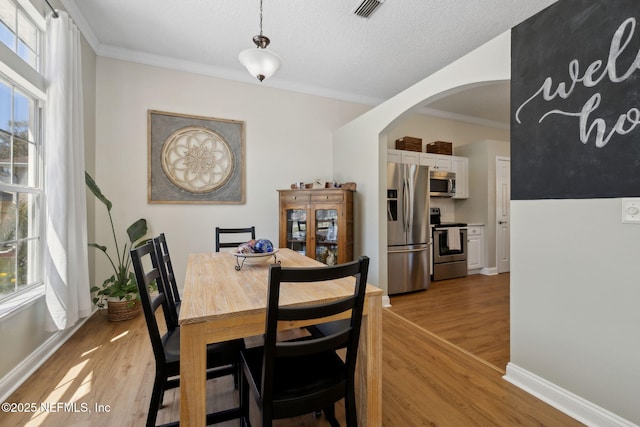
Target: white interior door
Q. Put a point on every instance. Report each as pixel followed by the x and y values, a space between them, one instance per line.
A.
pixel 503 199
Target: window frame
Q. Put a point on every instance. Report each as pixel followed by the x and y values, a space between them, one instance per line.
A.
pixel 21 76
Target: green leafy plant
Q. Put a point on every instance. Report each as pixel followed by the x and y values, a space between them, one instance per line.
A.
pixel 122 284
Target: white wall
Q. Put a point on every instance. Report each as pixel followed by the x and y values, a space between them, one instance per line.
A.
pixel 575 292
pixel 288 139
pixel 480 207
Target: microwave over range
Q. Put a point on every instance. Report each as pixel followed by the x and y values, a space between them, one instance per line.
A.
pixel 442 184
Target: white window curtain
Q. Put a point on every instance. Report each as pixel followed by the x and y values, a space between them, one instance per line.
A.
pixel 65 260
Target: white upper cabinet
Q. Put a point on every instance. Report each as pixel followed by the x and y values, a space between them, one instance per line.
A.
pixel 394 156
pixel 428 160
pixel 410 157
pixel 460 165
pixel 403 156
pixel 436 161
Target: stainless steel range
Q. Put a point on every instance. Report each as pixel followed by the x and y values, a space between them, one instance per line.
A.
pixel 449 247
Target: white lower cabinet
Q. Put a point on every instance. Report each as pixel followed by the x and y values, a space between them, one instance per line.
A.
pixel 475 248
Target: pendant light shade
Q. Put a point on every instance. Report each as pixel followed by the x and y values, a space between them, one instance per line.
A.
pixel 260 61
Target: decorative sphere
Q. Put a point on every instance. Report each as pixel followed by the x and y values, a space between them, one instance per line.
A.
pixel 263 246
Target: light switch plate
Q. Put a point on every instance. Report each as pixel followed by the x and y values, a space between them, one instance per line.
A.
pixel 631 211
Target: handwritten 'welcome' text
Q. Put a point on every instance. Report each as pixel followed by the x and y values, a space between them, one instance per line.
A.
pixel 593 75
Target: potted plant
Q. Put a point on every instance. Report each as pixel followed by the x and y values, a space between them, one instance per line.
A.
pixel 119 292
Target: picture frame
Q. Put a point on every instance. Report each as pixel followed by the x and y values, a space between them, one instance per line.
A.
pixel 195 159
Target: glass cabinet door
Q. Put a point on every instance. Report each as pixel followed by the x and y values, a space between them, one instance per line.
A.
pixel 297 230
pixel 326 230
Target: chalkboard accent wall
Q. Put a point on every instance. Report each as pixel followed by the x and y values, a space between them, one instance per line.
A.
pixel 575 101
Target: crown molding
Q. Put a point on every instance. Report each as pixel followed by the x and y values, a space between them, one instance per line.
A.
pixel 74 11
pixel 239 75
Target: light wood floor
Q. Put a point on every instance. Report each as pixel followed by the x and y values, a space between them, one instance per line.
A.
pixel 470 312
pixel 426 381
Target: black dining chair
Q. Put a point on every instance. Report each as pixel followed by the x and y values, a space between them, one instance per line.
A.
pixel 222 358
pixel 234 232
pixel 305 375
pixel 166 271
pixel 173 295
pixel 329 328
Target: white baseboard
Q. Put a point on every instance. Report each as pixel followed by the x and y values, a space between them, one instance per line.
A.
pixel 489 271
pixel 386 301
pixel 21 372
pixel 563 400
pixel 486 271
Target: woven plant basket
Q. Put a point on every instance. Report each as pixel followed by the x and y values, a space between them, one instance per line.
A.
pixel 118 311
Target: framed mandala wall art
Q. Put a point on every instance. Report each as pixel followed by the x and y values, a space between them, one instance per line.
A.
pixel 195 159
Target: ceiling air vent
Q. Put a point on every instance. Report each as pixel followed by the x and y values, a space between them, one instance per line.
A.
pixel 365 8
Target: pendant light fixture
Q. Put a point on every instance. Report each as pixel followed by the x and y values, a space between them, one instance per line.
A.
pixel 260 61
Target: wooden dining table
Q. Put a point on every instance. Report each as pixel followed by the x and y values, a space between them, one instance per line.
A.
pixel 220 303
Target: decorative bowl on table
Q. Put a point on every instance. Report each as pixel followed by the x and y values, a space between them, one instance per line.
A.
pixel 256 257
pixel 254 252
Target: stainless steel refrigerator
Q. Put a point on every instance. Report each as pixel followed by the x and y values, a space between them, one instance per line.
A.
pixel 408 231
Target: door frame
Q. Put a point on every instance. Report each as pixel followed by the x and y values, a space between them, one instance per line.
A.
pixel 502 266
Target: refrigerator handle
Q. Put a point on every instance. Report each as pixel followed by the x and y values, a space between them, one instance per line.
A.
pixel 412 197
pixel 405 205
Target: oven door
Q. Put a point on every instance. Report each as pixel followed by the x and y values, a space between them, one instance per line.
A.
pixel 441 251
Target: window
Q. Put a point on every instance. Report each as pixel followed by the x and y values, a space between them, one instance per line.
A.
pixel 21 166
pixel 19 33
pixel 20 190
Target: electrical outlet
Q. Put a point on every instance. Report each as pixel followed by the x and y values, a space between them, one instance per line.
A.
pixel 631 211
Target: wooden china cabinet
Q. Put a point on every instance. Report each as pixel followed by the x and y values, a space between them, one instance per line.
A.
pixel 318 223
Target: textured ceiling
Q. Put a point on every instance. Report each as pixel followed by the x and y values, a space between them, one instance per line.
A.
pixel 325 48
